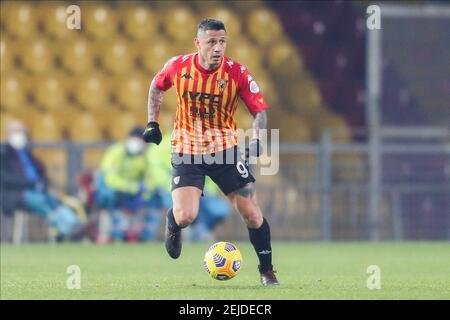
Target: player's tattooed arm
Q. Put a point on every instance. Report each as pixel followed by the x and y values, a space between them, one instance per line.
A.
pixel 259 122
pixel 155 99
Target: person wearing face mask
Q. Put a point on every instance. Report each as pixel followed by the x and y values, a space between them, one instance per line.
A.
pixel 24 183
pixel 122 187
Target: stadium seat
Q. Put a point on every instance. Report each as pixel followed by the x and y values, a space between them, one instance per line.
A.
pixel 283 58
pixel 179 22
pixel 55 161
pixel 99 21
pixel 264 26
pixel 18 19
pixel 153 56
pixel 37 55
pixel 77 55
pixel 132 91
pixel 49 91
pixel 336 125
pixel 7 54
pixel 121 123
pixel 117 56
pixel 91 91
pixel 139 22
pixel 12 93
pixel 85 128
pixel 245 52
pixel 231 20
pixel 299 130
pixel 53 17
pixel 5 118
pixel 304 95
pixel 45 127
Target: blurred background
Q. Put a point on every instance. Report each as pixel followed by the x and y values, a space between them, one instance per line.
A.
pixel 364 115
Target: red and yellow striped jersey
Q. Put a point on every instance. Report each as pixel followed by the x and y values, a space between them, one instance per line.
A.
pixel 207 102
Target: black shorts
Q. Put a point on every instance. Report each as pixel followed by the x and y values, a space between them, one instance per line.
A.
pixel 228 169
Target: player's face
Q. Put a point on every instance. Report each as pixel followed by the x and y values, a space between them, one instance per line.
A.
pixel 211 45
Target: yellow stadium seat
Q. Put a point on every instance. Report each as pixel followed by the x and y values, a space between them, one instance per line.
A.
pixel 12 93
pixel 154 55
pixel 293 128
pixel 338 127
pixel 99 21
pixel 132 91
pixel 304 95
pixel 231 20
pixel 5 118
pixel 284 59
pixel 37 55
pixel 264 26
pixel 53 17
pixel 19 19
pixel 180 23
pixel 118 57
pixel 77 55
pixel 84 128
pixel 244 52
pixel 45 127
pixel 55 161
pixel 7 54
pixel 92 91
pixel 92 159
pixel 140 22
pixel 121 123
pixel 49 91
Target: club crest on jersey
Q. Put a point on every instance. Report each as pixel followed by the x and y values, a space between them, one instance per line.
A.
pixel 221 84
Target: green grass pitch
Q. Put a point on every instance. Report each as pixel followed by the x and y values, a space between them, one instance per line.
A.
pixel 414 270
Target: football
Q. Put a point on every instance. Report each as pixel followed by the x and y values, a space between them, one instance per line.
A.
pixel 223 260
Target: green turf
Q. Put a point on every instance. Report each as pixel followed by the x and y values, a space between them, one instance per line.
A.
pixel 305 270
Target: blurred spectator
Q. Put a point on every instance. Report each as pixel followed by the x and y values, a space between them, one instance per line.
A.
pixel 24 184
pixel 124 189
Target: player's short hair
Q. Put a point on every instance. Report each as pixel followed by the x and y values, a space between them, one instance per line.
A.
pixel 210 24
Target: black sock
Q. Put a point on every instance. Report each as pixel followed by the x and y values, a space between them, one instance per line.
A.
pixel 171 221
pixel 260 239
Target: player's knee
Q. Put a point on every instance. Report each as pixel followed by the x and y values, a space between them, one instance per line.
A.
pixel 252 215
pixel 185 216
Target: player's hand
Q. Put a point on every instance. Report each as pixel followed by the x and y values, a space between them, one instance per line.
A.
pixel 254 148
pixel 152 133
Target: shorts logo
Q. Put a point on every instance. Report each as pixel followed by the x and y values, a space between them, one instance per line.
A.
pixel 176 180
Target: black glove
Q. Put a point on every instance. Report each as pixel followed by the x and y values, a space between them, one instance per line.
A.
pixel 152 133
pixel 254 148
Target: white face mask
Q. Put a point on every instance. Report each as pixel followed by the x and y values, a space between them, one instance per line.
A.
pixel 18 140
pixel 134 146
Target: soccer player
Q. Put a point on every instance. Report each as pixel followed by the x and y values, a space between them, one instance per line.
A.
pixel 208 85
